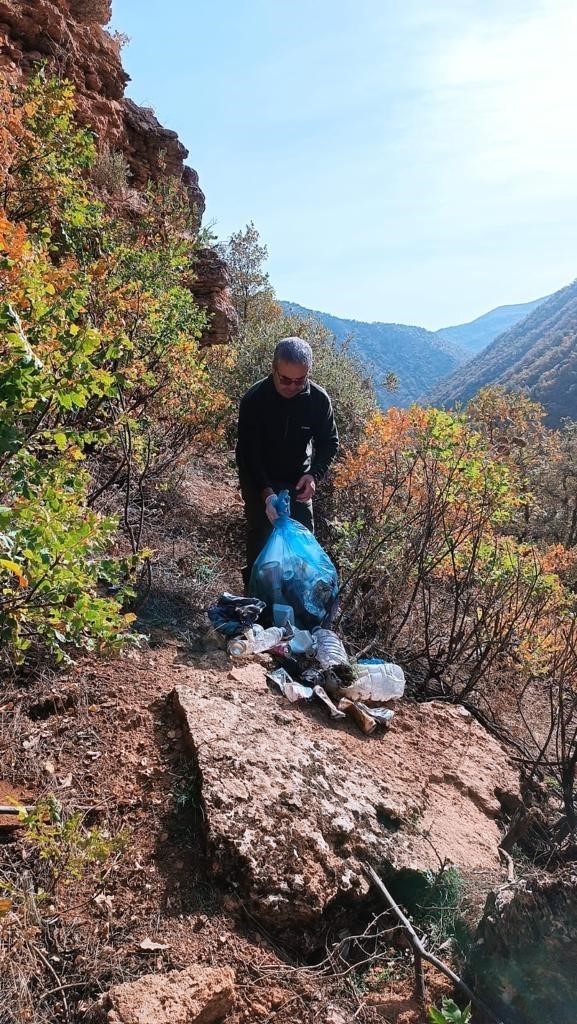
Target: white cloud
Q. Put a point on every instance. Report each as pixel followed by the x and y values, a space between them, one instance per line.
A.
pixel 512 87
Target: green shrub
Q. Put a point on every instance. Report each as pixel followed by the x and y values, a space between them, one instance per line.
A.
pixel 449 1013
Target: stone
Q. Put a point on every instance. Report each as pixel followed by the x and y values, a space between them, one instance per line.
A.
pixel 211 290
pixel 523 963
pixel 291 812
pixel 197 995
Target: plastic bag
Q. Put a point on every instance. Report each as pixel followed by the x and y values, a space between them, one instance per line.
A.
pixel 233 614
pixel 292 569
pixel 281 680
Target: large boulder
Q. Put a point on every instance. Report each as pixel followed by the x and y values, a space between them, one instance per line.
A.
pixel 294 803
pixel 524 961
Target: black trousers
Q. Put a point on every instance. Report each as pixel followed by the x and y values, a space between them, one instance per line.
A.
pixel 258 525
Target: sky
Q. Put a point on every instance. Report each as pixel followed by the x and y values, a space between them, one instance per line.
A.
pixel 407 161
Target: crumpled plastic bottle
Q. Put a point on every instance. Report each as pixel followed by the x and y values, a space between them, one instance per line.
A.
pixel 377 682
pixel 329 648
pixel 255 641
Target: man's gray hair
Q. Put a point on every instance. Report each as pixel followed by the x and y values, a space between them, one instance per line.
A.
pixel 294 350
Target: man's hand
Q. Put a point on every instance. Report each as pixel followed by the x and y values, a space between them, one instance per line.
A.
pixel 306 487
pixel 269 508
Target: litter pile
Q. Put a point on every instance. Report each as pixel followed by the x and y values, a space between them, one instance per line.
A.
pixel 294 586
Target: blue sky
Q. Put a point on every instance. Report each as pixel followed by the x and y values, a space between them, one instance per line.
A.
pixel 407 161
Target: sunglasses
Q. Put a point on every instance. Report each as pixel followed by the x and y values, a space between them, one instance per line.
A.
pixel 292 382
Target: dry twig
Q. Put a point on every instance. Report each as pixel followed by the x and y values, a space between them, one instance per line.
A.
pixel 420 953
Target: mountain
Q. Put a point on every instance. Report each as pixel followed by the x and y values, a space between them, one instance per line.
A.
pixel 479 333
pixel 418 357
pixel 538 355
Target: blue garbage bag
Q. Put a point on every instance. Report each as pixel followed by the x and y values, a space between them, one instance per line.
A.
pixel 292 569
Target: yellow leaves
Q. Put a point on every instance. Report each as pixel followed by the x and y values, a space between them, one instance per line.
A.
pixel 15 570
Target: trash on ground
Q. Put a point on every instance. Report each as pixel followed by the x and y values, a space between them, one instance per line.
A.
pixel 323 695
pixel 293 571
pixel 283 614
pixel 359 713
pixel 335 680
pixel 301 642
pixel 376 682
pixel 255 641
pixel 287 686
pixel 330 650
pixel 382 716
pixel 295 583
pixel 232 614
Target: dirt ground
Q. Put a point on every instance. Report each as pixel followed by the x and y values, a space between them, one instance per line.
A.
pixel 102 737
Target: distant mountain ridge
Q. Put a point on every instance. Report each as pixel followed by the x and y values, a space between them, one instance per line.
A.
pixel 479 333
pixel 418 357
pixel 537 355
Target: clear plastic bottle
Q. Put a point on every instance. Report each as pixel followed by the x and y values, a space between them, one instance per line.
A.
pixel 377 681
pixel 330 650
pixel 255 641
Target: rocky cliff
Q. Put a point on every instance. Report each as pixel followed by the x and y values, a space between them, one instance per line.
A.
pixel 70 35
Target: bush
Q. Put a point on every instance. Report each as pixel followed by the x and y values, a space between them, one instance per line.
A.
pixel 100 368
pixel 110 171
pixel 422 509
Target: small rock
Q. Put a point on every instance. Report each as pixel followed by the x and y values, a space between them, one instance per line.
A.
pixel 334 1016
pixel 149 946
pixel 197 995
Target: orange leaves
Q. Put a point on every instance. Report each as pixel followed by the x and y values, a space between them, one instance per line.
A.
pixel 15 570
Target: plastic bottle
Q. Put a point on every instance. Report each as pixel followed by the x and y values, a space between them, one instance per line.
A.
pixel 301 642
pixel 330 650
pixel 255 640
pixel 377 681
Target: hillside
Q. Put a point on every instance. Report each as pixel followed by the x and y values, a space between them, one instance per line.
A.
pixel 477 334
pixel 538 355
pixel 189 834
pixel 418 357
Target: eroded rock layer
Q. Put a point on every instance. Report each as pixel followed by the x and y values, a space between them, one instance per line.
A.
pixel 70 36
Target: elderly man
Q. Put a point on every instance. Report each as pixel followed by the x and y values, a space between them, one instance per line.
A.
pixel 287 438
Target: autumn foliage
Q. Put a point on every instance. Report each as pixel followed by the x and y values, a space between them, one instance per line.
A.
pixel 101 383
pixel 444 570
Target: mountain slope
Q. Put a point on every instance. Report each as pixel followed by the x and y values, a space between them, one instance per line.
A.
pixel 419 358
pixel 479 333
pixel 538 355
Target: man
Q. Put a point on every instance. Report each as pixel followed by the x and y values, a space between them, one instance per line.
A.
pixel 287 438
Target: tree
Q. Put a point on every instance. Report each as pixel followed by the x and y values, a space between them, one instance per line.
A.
pixel 252 294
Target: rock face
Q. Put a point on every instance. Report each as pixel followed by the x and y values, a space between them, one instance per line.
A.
pixel 294 803
pixel 69 34
pixel 198 995
pixel 524 962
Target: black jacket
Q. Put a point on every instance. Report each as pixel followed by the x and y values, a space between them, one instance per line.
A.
pixel 279 438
